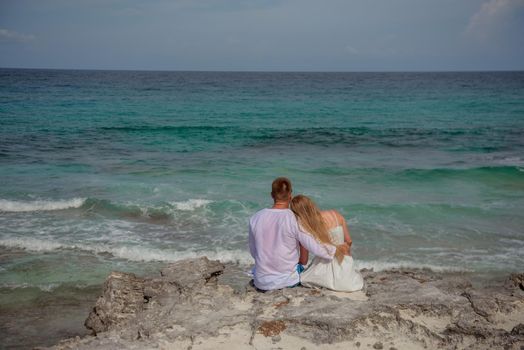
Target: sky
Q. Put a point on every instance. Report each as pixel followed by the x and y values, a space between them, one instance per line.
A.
pixel 269 35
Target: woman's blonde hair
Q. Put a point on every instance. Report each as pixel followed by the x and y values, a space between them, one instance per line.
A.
pixel 309 217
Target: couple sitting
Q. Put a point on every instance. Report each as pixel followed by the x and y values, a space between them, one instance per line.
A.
pixel 280 240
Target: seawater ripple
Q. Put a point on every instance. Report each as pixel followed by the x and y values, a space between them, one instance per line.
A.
pixel 127 252
pixel 128 171
pixel 147 254
pixel 198 138
pixel 499 174
pixel 101 206
pixel 337 135
pixel 103 169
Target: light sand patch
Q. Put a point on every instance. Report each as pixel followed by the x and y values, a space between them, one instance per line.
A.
pixel 244 304
pixel 356 296
pixel 509 320
pixel 433 323
pixel 175 328
pixel 400 343
pixel 297 301
pixel 238 337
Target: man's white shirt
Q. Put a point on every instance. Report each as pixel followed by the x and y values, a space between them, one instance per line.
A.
pixel 274 237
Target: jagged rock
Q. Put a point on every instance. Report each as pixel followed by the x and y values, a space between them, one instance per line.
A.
pixel 125 295
pixel 123 298
pixel 191 274
pixel 483 305
pixel 187 306
pixel 378 345
pixel 516 280
pixel 518 330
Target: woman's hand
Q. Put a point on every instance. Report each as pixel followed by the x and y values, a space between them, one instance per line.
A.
pixel 343 248
pixel 349 247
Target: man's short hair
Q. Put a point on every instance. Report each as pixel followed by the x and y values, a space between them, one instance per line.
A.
pixel 281 189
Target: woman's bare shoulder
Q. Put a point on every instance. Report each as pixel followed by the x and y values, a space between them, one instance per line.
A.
pixel 330 213
pixel 332 216
pixel 340 216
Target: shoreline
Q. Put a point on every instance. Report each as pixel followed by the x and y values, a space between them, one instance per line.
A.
pixel 191 304
pixel 44 317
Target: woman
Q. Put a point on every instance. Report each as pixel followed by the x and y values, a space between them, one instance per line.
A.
pixel 328 226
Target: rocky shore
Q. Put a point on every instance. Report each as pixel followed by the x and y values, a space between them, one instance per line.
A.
pixel 190 305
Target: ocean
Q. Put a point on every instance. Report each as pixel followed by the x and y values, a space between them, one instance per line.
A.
pixel 129 170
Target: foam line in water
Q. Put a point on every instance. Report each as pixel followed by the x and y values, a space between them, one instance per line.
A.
pixel 140 253
pixel 381 266
pixel 191 204
pixel 40 205
pixel 43 287
pixel 510 161
pixel 32 244
pixel 132 253
pixel 135 253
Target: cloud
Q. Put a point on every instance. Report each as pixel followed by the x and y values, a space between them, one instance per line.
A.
pixel 14 37
pixel 495 18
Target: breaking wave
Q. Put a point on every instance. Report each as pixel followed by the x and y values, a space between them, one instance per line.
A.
pixel 132 253
pixel 104 206
pixel 147 254
pixel 40 205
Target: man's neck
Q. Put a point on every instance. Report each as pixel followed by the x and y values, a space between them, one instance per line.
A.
pixel 280 205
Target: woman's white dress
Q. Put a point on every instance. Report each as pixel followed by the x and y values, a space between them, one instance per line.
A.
pixel 330 274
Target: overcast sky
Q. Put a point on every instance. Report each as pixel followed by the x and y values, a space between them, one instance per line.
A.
pixel 275 35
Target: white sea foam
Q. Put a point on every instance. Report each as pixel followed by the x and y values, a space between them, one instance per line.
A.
pixel 132 253
pixel 381 266
pixel 153 254
pixel 141 253
pixel 40 205
pixel 515 161
pixel 43 287
pixel 32 244
pixel 191 204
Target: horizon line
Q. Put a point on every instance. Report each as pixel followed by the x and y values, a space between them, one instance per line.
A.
pixel 268 71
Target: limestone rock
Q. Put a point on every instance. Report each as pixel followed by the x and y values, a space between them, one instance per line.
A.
pixel 126 295
pixel 192 273
pixel 516 280
pixel 123 298
pixel 188 306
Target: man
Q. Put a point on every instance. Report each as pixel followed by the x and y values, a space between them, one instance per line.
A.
pixel 274 237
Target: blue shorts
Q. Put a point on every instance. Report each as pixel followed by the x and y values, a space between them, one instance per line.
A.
pixel 300 268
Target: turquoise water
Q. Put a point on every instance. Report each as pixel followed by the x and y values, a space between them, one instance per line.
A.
pixel 127 170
